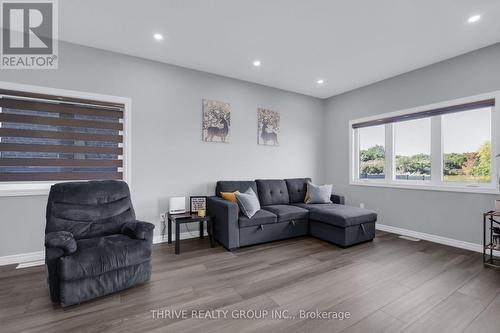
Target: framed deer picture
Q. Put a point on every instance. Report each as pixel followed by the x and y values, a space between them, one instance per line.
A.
pixel 268 127
pixel 216 121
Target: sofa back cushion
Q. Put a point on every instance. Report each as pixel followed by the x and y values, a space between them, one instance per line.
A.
pixel 297 188
pixel 272 192
pixel 234 185
pixel 89 209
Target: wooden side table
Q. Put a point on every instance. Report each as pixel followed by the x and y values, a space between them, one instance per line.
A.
pixel 490 219
pixel 179 219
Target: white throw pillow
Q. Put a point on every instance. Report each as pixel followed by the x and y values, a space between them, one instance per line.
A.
pixel 248 202
pixel 318 194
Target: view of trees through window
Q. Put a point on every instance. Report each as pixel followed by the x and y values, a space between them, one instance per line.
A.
pixel 412 149
pixel 466 139
pixel 372 152
pixel 467 146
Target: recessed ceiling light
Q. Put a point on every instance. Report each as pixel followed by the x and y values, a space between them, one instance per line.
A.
pixel 320 81
pixel 257 63
pixel 474 18
pixel 158 36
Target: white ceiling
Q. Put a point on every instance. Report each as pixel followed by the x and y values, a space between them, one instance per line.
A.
pixel 348 43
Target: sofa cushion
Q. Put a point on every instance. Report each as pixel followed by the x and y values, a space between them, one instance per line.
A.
pixel 272 192
pixel 342 216
pixel 288 212
pixel 234 185
pixel 312 206
pixel 261 217
pixel 95 256
pixel 297 188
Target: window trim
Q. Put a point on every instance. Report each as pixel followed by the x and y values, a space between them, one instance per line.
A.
pixel 14 189
pixel 436 183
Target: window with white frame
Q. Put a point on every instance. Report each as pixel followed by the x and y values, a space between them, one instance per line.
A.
pixel 446 146
pixel 49 138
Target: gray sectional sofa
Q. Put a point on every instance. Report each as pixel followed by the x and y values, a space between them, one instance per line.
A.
pixel 284 214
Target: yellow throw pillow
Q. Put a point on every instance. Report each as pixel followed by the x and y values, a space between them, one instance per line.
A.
pixel 306 198
pixel 229 196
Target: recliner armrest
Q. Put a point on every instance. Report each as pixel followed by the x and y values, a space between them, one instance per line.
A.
pixel 138 230
pixel 337 199
pixel 225 216
pixel 63 240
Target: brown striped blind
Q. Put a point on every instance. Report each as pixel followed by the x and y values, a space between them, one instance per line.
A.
pixel 51 138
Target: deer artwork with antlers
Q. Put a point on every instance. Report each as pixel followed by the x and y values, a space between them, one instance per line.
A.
pixel 216 121
pixel 220 132
pixel 268 127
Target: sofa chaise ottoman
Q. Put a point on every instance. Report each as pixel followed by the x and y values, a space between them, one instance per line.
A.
pixel 342 225
pixel 284 215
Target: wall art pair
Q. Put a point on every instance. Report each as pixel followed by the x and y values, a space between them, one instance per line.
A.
pixel 217 124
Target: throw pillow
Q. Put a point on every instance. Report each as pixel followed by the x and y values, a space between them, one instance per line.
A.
pixel 229 196
pixel 248 202
pixel 318 194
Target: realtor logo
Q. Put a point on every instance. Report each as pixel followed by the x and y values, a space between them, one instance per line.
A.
pixel 29 34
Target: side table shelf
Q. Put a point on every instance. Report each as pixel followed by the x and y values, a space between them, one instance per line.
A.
pixel 491 219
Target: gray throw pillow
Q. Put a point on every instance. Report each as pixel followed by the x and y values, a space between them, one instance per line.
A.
pixel 318 194
pixel 248 202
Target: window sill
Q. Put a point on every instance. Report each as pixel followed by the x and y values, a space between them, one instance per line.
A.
pixel 428 187
pixel 24 189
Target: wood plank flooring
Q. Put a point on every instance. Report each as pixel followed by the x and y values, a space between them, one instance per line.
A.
pixel 388 285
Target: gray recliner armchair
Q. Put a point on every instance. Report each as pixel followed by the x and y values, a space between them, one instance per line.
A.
pixel 93 243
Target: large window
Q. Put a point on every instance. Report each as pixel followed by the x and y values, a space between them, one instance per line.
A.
pixel 48 138
pixel 446 146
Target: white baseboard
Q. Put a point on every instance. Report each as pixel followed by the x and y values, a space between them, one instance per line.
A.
pixel 433 238
pixel 22 258
pixel 37 258
pixel 27 258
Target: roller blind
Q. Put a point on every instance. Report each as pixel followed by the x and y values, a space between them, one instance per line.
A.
pixel 51 138
pixel 428 113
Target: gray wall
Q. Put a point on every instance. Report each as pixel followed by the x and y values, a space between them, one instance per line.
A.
pixel 166 127
pixel 447 214
pixel 168 156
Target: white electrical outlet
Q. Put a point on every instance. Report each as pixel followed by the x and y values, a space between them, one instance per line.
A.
pixel 362 205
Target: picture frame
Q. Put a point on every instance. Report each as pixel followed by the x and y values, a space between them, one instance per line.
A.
pixel 216 125
pixel 196 203
pixel 268 127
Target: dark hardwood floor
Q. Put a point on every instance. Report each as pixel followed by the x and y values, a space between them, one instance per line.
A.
pixel 388 285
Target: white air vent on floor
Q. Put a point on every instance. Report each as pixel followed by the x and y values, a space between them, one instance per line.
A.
pixel 410 238
pixel 30 264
